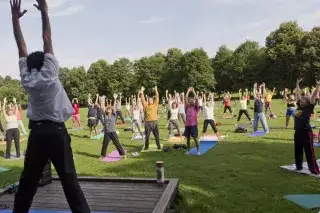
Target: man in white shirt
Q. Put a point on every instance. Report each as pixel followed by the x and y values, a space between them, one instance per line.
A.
pixel 209 115
pixel 49 107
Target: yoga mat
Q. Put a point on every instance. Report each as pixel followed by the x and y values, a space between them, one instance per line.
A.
pixel 127 119
pixel 305 169
pixel 176 139
pixel 112 157
pixel 97 137
pixel 152 148
pixel 316 144
pixel 2 169
pixel 204 147
pixel 307 201
pixel 46 211
pixel 228 116
pixel 257 134
pixel 209 138
pixel 76 129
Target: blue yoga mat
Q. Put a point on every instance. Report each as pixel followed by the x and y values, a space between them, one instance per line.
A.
pixel 257 134
pixel 45 211
pixel 96 137
pixel 316 144
pixel 2 169
pixel 305 201
pixel 204 147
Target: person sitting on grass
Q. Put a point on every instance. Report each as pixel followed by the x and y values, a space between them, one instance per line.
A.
pixel 118 108
pixel 243 106
pixel 151 117
pixel 291 106
pixel 191 126
pixel 110 133
pixel 76 113
pixel 136 120
pixel 208 111
pixel 227 104
pixel 173 120
pixel 258 110
pixel 12 130
pixel 303 135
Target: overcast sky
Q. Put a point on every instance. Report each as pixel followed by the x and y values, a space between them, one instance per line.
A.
pixel 87 30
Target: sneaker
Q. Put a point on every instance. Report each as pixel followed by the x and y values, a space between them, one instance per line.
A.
pixel 187 153
pixel 198 153
pixel 159 147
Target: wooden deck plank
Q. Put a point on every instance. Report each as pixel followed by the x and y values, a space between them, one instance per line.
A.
pixel 118 195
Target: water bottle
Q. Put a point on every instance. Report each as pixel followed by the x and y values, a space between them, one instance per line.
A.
pixel 160 173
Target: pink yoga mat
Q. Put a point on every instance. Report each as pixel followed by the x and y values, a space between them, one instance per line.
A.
pixel 112 157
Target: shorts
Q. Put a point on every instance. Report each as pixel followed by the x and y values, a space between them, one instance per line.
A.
pixel 191 131
pixel 76 117
pixel 290 112
pixel 92 123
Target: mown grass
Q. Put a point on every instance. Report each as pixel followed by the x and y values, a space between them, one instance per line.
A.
pixel 240 174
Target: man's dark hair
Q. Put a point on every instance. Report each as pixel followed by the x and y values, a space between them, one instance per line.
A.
pixel 35 60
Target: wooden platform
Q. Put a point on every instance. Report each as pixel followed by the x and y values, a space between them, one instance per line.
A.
pixel 116 195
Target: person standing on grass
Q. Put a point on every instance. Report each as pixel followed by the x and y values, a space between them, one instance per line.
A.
pixel 76 112
pixel 20 117
pixel 227 103
pixel 49 107
pixel 208 111
pixel 182 108
pixel 110 133
pixel 12 131
pixel 291 106
pixel 303 135
pixel 118 109
pixel 268 98
pixel 99 108
pixel 258 109
pixel 173 120
pixel 128 108
pixel 136 121
pixel 151 117
pixel 243 106
pixel 191 127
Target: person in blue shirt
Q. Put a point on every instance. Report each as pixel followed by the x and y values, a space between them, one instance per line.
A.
pixel 48 109
pixel 258 109
pixel 303 135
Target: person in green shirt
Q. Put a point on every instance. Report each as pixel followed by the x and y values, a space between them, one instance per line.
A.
pixel 243 106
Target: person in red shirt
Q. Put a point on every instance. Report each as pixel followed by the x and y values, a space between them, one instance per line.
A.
pixel 227 104
pixel 76 113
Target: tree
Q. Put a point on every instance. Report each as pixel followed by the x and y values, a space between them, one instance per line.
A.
pixel 221 65
pixel 281 47
pixel 309 57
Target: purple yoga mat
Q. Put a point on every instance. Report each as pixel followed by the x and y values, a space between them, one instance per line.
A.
pixel 112 157
pixel 258 133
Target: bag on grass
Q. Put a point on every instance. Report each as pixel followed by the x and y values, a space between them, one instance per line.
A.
pixel 241 129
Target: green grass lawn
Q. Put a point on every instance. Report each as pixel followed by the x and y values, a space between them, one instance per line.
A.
pixel 240 174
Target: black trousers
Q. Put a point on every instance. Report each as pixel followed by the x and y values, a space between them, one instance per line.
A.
pixel 152 126
pixel 49 140
pixel 212 124
pixel 106 140
pixel 303 140
pixel 227 108
pixel 1 127
pixel 119 114
pixel 12 134
pixel 243 111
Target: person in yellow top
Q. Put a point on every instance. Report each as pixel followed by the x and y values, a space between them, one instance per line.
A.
pixel 268 99
pixel 243 106
pixel 150 117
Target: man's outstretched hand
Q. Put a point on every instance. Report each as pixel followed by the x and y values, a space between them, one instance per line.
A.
pixel 42 5
pixel 16 10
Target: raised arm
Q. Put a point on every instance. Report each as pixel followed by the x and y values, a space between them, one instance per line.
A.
pixel 298 91
pixel 97 99
pixel 16 15
pixel 315 93
pixel 273 91
pixel 255 87
pixel 16 106
pixel 115 96
pixel 240 94
pixel 285 95
pixel 142 98
pixel 4 108
pixel 46 28
pixel 182 98
pixel 157 95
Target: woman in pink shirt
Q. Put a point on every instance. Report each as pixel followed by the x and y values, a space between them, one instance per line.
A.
pixel 19 117
pixel 76 112
pixel 227 104
pixel 191 126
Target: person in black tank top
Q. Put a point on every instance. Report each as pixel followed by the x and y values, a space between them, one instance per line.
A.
pixel 303 136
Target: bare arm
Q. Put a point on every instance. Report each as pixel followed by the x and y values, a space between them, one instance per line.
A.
pixel 240 94
pixel 204 99
pixel 16 15
pixel 187 96
pixel 298 91
pixel 4 109
pixel 315 93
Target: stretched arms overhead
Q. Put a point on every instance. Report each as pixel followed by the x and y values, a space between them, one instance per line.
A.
pixel 315 93
pixel 46 28
pixel 16 15
pixel 298 91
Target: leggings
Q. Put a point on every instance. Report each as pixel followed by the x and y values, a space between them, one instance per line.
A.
pixel 212 124
pixel 182 116
pixel 13 134
pixel 227 108
pixel 243 111
pixel 136 125
pixel 106 140
pixel 174 123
